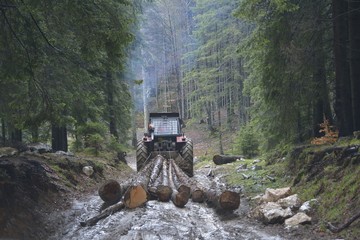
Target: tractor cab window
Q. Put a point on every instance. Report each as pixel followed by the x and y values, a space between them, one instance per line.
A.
pixel 165 126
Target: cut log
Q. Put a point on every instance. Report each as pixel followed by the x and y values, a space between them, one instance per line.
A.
pixel 180 196
pixel 184 188
pixel 156 169
pixel 135 196
pixel 137 193
pixel 224 159
pixel 152 188
pixel 198 196
pixel 197 193
pixel 110 192
pixel 164 191
pixel 227 200
pixel 180 199
pixel 107 212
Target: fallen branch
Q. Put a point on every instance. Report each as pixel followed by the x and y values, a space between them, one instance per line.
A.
pixel 334 229
pixel 107 212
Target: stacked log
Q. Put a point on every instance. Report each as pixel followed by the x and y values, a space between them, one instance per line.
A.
pixel 163 180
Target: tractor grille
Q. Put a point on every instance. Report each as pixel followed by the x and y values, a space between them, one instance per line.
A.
pixel 165 126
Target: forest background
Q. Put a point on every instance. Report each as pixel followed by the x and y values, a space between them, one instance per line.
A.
pixel 271 70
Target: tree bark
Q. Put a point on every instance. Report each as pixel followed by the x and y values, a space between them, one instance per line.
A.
pixel 164 191
pixel 137 190
pixel 354 60
pixel 110 101
pixel 224 159
pixel 343 102
pixel 197 193
pixel 180 196
pixel 59 140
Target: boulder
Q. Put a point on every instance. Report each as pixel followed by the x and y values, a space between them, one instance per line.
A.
pixel 88 170
pixel 297 219
pixel 110 191
pixel 293 202
pixel 273 195
pixel 39 148
pixel 271 213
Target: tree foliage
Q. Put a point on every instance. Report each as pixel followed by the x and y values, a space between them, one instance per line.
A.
pixel 56 59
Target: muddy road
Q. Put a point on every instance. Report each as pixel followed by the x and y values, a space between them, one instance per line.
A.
pixel 158 220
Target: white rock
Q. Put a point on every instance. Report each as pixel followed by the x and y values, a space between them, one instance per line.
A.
pixel 273 195
pixel 88 170
pixel 271 213
pixel 292 202
pixel 256 161
pixel 299 218
pixel 308 205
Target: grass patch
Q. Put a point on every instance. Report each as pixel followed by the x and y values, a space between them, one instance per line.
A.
pixel 259 180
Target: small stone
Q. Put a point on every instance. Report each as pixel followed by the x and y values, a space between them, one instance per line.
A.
pixel 88 170
pixel 256 161
pixel 256 168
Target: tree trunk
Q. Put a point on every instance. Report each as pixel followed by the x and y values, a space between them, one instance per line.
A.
pixel 224 159
pixel 59 140
pixel 354 59
pixel 111 105
pixel 343 102
pixel 3 131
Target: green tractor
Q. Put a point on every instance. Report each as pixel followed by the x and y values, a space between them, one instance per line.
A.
pixel 165 137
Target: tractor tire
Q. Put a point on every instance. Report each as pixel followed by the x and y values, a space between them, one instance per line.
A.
pixel 141 155
pixel 188 155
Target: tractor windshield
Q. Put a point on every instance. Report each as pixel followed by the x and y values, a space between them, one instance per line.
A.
pixel 165 126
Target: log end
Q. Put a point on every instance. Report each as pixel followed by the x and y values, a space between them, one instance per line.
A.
pixel 135 197
pixel 229 200
pixel 164 193
pixel 180 199
pixel 198 196
pixel 184 188
pixel 110 191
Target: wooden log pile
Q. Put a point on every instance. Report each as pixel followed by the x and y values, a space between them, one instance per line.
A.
pixel 163 180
